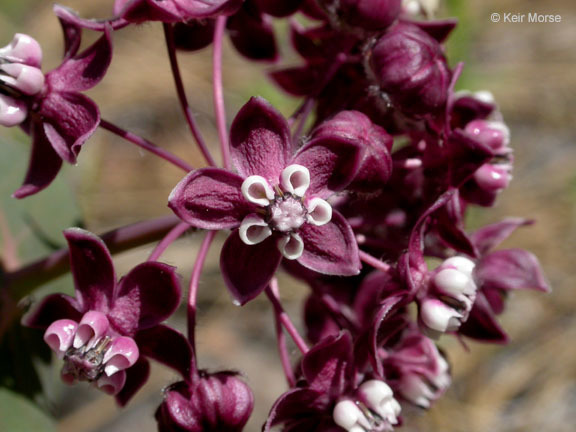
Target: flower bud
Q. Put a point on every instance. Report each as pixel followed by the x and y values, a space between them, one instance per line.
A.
pixel 410 67
pixel 217 402
pixel 493 178
pixel 369 14
pixel 493 134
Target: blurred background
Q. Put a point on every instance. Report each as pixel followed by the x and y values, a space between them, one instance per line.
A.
pixel 528 385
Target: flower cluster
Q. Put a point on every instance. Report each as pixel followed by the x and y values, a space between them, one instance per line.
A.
pixel 355 194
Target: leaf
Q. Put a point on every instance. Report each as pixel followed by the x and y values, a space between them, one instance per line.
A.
pixel 17 414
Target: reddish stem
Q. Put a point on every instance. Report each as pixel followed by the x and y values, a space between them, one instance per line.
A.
pixel 374 262
pixel 281 340
pixel 146 145
pixel 218 93
pixel 283 317
pixel 170 238
pixel 169 36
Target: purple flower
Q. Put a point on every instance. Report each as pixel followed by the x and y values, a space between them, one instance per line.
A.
pixel 103 333
pixel 369 14
pixel 276 204
pixel 334 395
pixel 50 108
pixel 218 402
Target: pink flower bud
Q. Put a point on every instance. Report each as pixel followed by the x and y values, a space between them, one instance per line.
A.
pixel 370 14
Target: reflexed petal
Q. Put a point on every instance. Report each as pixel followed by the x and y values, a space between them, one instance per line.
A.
pixel 330 248
pixel 332 163
pixel 43 167
pixel 319 212
pixel 252 35
pixel 257 190
pixel 167 346
pixel 247 270
pixel 254 230
pixel 296 403
pixel 511 269
pixel 295 179
pixel 482 324
pixel 210 198
pixel 260 140
pixel 85 70
pixel 69 120
pixel 490 236
pixel 328 366
pixel 59 335
pixel 291 246
pixel 52 308
pixel 147 295
pixel 92 268
pixel 136 377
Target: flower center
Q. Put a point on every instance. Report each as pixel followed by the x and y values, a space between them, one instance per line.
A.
pixel 86 364
pixel 286 213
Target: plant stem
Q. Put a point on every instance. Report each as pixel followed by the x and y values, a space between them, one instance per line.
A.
pixel 23 281
pixel 170 238
pixel 194 283
pixel 283 317
pixel 146 145
pixel 218 94
pixel 169 36
pixel 374 262
pixel 281 340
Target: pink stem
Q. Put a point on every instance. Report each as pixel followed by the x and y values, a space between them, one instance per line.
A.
pixel 283 317
pixel 194 282
pixel 374 262
pixel 282 348
pixel 218 92
pixel 169 36
pixel 146 145
pixel 170 238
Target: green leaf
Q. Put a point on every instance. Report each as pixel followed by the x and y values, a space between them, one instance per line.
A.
pixel 17 414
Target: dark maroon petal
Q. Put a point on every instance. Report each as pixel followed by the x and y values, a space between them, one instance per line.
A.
pixel 84 71
pixel 333 162
pixel 329 366
pixel 174 10
pixel 467 155
pixel 252 34
pixel 146 296
pixel 69 120
pixel 260 140
pixel 52 308
pixel 490 236
pixel 511 269
pixel 136 377
pixel 194 35
pixel 297 81
pixel 43 167
pixel 450 226
pixel 167 346
pixel 279 8
pixel 293 405
pixel 71 30
pixel 482 324
pixel 92 268
pixel 247 269
pixel 330 248
pixel 210 198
